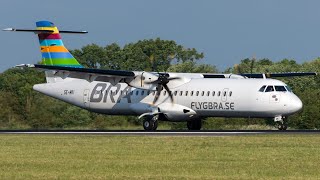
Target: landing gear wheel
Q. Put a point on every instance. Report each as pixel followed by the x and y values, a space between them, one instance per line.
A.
pixel 283 124
pixel 150 123
pixel 194 125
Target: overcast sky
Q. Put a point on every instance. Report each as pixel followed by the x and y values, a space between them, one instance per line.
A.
pixel 226 30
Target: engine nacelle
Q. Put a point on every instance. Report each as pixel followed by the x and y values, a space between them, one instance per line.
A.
pixel 176 112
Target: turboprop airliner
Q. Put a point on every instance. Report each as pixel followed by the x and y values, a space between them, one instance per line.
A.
pixel 154 96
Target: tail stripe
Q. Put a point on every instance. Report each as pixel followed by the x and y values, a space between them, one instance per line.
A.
pixel 53 49
pixel 51 42
pixel 54 29
pixel 49 36
pixel 56 55
pixel 61 61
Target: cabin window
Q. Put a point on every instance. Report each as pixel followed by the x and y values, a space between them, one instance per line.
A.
pixel 219 93
pixel 213 93
pixel 137 92
pixel 148 92
pixel 175 93
pixel 142 92
pixel 280 88
pixel 262 88
pixel 131 93
pixel 186 93
pixel 181 93
pixel 191 93
pixel 202 93
pixel 230 93
pixel 208 93
pixel 224 93
pixel 197 93
pixel 269 89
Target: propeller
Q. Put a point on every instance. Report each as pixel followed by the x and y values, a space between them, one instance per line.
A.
pixel 162 81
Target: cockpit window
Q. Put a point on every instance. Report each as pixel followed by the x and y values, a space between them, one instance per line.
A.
pixel 280 88
pixel 269 89
pixel 262 88
pixel 288 88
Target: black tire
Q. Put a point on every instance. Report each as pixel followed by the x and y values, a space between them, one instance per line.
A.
pixel 194 125
pixel 155 125
pixel 282 127
pixel 148 124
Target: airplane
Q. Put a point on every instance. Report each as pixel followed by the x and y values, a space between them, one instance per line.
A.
pixel 159 96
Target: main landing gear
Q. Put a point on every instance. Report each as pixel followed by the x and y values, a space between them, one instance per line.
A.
pixel 150 123
pixel 194 125
pixel 281 122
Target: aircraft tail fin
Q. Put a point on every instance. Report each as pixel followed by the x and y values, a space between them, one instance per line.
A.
pixel 52 48
pixel 53 51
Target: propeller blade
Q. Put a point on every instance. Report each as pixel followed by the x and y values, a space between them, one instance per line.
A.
pixel 169 92
pixel 152 82
pixel 159 88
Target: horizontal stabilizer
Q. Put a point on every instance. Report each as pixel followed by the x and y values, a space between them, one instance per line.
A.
pixel 273 75
pixel 28 30
pixel 38 31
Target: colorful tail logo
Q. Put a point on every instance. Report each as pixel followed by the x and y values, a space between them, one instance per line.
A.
pixel 53 51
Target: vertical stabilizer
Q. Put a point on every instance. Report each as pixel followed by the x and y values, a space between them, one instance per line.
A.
pixel 52 49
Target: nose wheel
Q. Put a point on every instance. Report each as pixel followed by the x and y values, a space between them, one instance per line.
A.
pixel 281 123
pixel 150 123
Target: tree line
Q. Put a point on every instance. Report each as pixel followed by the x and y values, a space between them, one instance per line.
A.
pixel 23 108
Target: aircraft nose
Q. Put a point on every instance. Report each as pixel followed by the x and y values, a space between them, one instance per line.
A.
pixel 296 104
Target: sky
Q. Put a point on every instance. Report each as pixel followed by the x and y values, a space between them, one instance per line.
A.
pixel 227 31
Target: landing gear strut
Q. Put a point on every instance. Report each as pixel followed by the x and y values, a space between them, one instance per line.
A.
pixel 194 125
pixel 150 123
pixel 281 123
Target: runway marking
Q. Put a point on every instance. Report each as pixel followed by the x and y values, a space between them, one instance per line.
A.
pixel 136 133
pixel 71 132
pixel 160 132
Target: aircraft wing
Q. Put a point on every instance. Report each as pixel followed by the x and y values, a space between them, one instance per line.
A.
pixel 273 75
pixel 83 73
pixel 100 72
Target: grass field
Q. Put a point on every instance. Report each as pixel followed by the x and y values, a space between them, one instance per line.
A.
pixel 158 157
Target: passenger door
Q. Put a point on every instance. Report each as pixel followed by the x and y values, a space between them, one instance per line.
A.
pixel 224 95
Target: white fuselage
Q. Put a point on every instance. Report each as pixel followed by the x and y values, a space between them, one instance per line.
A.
pixel 197 98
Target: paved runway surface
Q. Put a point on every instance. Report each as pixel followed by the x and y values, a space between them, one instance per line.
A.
pixel 161 132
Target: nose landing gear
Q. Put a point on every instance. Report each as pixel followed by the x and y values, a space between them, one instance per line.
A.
pixel 150 123
pixel 281 122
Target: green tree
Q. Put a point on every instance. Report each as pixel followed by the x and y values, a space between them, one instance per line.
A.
pixel 144 55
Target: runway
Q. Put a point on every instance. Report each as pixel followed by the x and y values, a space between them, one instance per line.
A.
pixel 162 132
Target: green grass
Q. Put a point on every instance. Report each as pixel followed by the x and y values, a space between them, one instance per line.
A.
pixel 158 157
